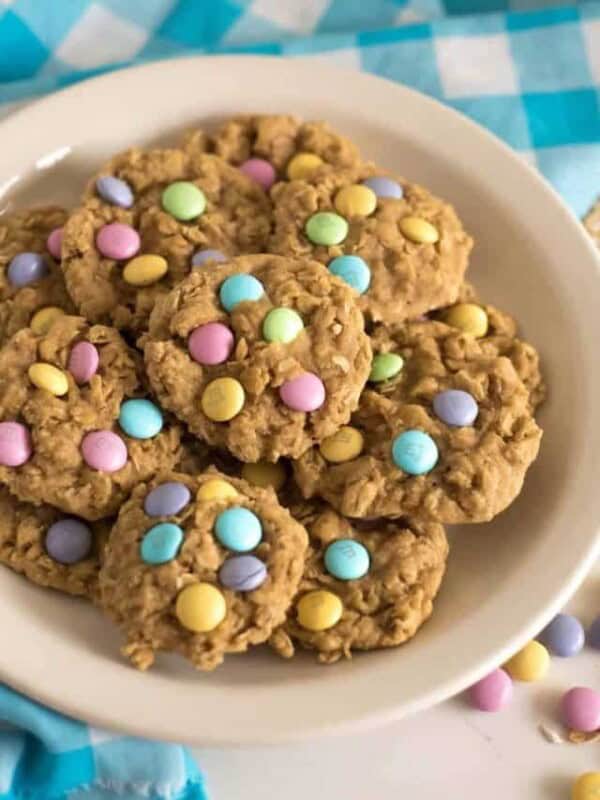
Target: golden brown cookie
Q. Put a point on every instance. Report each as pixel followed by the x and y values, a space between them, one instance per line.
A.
pixel 201 566
pixel 365 585
pixel 177 208
pixel 280 370
pixel 30 275
pixel 76 436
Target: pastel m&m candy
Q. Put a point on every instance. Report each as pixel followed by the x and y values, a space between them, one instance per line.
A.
pixel 580 709
pixel 83 362
pixel 223 399
pixel 26 268
pixel 593 634
pixel 117 240
pixel 319 610
pixel 104 451
pixel 167 499
pixel 353 270
pixel 564 636
pixel 282 325
pixel 140 418
pixel 242 573
pixel 202 257
pixel 145 270
pixel 260 171
pixel 115 191
pixel 414 452
pixel 347 560
pixel 44 319
pixel 200 607
pixel 355 201
pixel 344 445
pixel 161 543
pixel 492 692
pixel 303 393
pixel 586 787
pixel 68 541
pixel 240 288
pixel 49 378
pixel 385 366
pixel 384 187
pixel 15 444
pixel 302 165
pixel 265 475
pixel 216 489
pixel 54 243
pixel 183 200
pixel 455 407
pixel 238 529
pixel 418 230
pixel 211 343
pixel 468 318
pixel 529 664
pixel 326 228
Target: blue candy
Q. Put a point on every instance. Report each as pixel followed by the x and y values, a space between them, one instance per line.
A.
pixel 115 191
pixel 167 499
pixel 161 543
pixel 455 407
pixel 140 419
pixel 239 289
pixel 347 560
pixel 414 452
pixel 202 256
pixel 238 529
pixel 385 187
pixel 354 270
pixel 26 268
pixel 242 573
pixel 564 636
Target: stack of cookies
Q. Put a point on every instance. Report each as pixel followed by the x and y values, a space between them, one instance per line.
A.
pixel 244 385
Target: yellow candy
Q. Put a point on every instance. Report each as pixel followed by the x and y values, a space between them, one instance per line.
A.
pixel 145 270
pixel 469 318
pixel 265 475
pixel 222 399
pixel 419 230
pixel 216 489
pixel 50 378
pixel 586 787
pixel 200 607
pixel 529 664
pixel 319 610
pixel 302 164
pixel 44 319
pixel 344 445
pixel 356 201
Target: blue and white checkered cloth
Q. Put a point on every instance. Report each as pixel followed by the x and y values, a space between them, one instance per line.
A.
pixel 530 74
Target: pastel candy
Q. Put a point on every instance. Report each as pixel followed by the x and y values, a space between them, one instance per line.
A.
pixel 242 573
pixel 347 560
pixel 15 444
pixel 83 362
pixel 201 257
pixel 492 692
pixel 216 489
pixel 580 709
pixel 200 607
pixel 356 201
pixel 49 378
pixel 223 399
pixel 140 418
pixel 282 325
pixel 467 317
pixel 455 407
pixel 260 171
pixel 161 543
pixel 117 240
pixel 319 610
pixel 302 165
pixel 353 270
pixel 238 529
pixel 183 200
pixel 564 636
pixel 240 288
pixel 54 243
pixel 303 393
pixel 26 268
pixel 104 451
pixel 531 663
pixel 115 191
pixel 326 228
pixel 418 230
pixel 44 319
pixel 384 187
pixel 344 445
pixel 414 452
pixel 593 634
pixel 586 787
pixel 211 344
pixel 69 541
pixel 167 499
pixel 385 366
pixel 145 270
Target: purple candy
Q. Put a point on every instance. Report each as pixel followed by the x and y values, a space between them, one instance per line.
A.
pixel 242 573
pixel 167 499
pixel 455 407
pixel 564 636
pixel 26 268
pixel 68 541
pixel 580 709
pixel 385 187
pixel 83 361
pixel 593 634
pixel 492 692
pixel 115 191
pixel 202 256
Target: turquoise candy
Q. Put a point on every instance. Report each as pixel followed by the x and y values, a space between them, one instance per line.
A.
pixel 140 419
pixel 353 270
pixel 347 559
pixel 161 543
pixel 240 288
pixel 415 452
pixel 238 529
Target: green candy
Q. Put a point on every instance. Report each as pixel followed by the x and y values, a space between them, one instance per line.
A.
pixel 326 228
pixel 183 200
pixel 385 366
pixel 282 325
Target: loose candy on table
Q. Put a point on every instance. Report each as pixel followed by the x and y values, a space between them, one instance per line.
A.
pixel 529 664
pixel 49 378
pixel 265 475
pixel 580 709
pixel 347 559
pixel 344 445
pixel 305 393
pixel 15 444
pixel 260 171
pixel 26 268
pixel 492 692
pixel 200 607
pixel 467 317
pixel 44 319
pixel 593 634
pixel 240 288
pixel 302 165
pixel 54 243
pixel 238 529
pixel 161 543
pixel 84 359
pixel 282 325
pixel 564 636
pixel 353 270
pixel 384 187
pixel 115 191
pixel 104 451
pixel 586 787
pixel 223 399
pixel 167 499
pixel 140 418
pixel 455 407
pixel 385 366
pixel 242 573
pixel 211 344
pixel 319 610
pixel 418 230
pixel 183 200
pixel 355 201
pixel 216 489
pixel 145 270
pixel 68 541
pixel 201 257
pixel 415 452
pixel 326 228
pixel 117 240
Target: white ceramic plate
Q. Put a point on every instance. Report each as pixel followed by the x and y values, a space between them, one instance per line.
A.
pixel 505 579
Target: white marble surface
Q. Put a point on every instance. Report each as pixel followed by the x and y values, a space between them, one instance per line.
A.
pixel 450 751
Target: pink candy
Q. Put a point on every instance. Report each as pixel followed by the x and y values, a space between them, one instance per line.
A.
pixel 492 692
pixel 580 709
pixel 259 170
pixel 304 393
pixel 118 241
pixel 104 451
pixel 211 343
pixel 54 243
pixel 15 444
pixel 83 361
